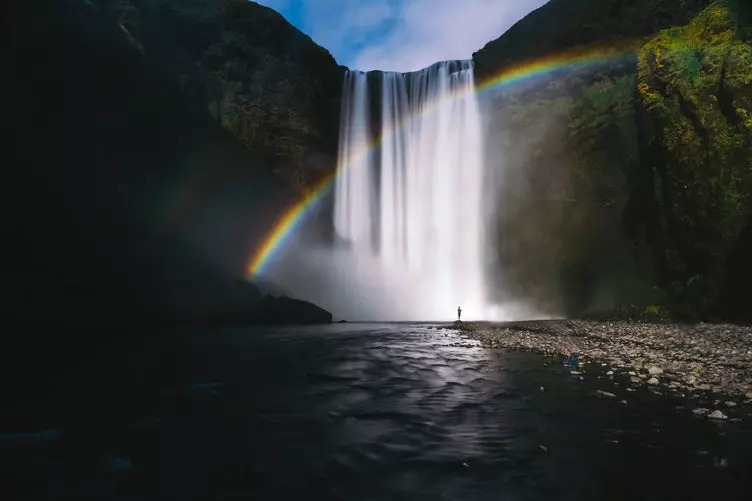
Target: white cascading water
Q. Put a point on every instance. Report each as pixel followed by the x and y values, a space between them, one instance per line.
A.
pixel 409 208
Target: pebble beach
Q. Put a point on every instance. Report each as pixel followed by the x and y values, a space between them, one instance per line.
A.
pixel 713 361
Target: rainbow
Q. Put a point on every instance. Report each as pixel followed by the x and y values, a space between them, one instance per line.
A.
pixel 527 71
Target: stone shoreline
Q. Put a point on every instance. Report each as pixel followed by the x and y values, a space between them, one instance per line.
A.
pixel 714 358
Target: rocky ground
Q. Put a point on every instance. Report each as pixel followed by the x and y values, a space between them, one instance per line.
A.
pixel 714 360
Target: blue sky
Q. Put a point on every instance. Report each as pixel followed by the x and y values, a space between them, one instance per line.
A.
pixel 402 35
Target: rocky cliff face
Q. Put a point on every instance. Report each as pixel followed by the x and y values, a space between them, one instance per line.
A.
pixel 263 80
pixel 586 143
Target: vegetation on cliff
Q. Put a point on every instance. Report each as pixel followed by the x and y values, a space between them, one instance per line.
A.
pixel 604 153
pixel 560 25
pixel 695 86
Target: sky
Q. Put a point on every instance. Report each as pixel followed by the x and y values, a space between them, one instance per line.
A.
pixel 402 35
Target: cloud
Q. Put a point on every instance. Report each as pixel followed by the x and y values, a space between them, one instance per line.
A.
pixel 402 35
pixel 434 30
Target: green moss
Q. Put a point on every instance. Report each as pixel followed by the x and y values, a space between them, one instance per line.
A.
pixel 694 84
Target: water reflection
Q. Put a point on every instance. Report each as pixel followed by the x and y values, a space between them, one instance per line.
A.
pixel 390 411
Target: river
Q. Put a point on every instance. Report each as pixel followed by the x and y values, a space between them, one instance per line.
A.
pixel 358 411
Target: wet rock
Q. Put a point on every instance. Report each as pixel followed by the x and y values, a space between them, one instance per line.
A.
pixel 716 414
pixel 603 394
pixel 655 371
pixel 700 411
pixel 730 403
pixel 610 373
pixel 652 381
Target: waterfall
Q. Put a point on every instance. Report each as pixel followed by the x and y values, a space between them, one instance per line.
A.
pixel 408 192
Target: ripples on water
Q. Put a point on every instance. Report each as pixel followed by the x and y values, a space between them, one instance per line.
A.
pixel 371 412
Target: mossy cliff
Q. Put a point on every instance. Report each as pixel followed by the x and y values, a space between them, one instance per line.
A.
pixel 634 171
pixel 695 101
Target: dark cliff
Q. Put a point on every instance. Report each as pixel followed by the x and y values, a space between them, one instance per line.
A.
pixel 563 24
pixel 146 166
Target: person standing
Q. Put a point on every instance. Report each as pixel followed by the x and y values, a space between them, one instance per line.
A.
pixel 459 313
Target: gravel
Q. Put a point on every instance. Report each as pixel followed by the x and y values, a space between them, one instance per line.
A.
pixel 713 358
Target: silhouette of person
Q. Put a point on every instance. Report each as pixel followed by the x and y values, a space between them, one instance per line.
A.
pixel 459 312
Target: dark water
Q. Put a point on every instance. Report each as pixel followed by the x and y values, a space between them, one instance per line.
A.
pixel 358 412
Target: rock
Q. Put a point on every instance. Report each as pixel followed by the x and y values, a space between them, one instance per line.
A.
pixel 748 395
pixel 700 411
pixel 716 414
pixel 603 394
pixel 623 402
pixel 575 373
pixel 652 380
pixel 730 403
pixel 543 448
pixel 542 389
pixel 610 373
pixel 286 310
pixel 655 371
